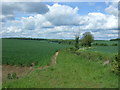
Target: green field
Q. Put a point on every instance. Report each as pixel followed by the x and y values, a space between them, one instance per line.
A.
pixel 71 71
pixel 82 69
pixel 26 52
pixel 105 49
pixel 108 49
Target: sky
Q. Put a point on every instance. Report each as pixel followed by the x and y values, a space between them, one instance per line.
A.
pixel 59 20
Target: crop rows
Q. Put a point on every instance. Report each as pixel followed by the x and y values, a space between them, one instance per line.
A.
pixel 28 52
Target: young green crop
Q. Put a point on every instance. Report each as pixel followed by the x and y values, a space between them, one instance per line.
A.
pixel 105 49
pixel 26 52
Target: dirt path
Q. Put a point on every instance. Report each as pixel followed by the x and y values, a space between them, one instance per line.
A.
pixel 53 62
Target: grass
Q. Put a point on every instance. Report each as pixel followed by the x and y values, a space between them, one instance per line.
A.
pixel 26 52
pixel 71 71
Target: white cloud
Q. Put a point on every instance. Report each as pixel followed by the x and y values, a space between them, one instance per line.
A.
pixel 13 29
pixel 6 17
pixel 35 22
pixel 9 9
pixel 99 21
pixel 112 10
pixel 111 22
pixel 60 22
pixel 10 30
pixel 28 23
pixel 62 15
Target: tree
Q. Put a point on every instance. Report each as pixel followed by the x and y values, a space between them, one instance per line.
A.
pixel 77 42
pixel 87 39
pixel 77 36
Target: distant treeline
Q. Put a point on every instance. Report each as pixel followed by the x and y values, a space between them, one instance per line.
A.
pixel 117 39
pixel 105 44
pixel 61 41
pixel 26 38
pixel 69 41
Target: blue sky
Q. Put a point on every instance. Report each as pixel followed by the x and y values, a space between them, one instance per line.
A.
pixel 59 20
pixel 86 7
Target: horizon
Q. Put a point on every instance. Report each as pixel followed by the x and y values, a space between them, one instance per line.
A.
pixel 51 38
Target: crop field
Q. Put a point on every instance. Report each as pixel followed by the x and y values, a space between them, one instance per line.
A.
pixel 26 52
pixel 83 68
pixel 71 71
pixel 105 49
pixel 109 48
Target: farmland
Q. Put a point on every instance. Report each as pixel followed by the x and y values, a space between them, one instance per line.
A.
pixel 24 52
pixel 83 68
pixel 60 44
pixel 105 49
pixel 71 71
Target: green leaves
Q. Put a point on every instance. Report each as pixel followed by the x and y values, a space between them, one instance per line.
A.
pixel 115 65
pixel 87 39
pixel 12 76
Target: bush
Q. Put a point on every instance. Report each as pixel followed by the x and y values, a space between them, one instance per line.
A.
pixel 114 44
pixel 12 76
pixel 91 55
pixel 103 44
pixel 100 44
pixel 77 42
pixel 115 65
pixel 9 76
pixel 73 49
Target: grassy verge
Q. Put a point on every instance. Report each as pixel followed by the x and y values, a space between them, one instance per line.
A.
pixel 71 71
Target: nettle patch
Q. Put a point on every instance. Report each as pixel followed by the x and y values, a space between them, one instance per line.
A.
pixel 12 76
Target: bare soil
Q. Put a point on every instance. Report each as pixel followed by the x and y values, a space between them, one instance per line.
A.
pixel 22 71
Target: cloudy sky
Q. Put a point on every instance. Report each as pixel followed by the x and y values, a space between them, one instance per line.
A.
pixel 59 20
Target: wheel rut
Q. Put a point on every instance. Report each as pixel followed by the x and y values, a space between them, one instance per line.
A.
pixel 53 62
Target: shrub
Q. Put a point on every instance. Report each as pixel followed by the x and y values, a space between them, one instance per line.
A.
pixel 9 76
pixel 73 49
pixel 115 65
pixel 12 76
pixel 114 44
pixel 91 55
pixel 77 42
pixel 100 44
